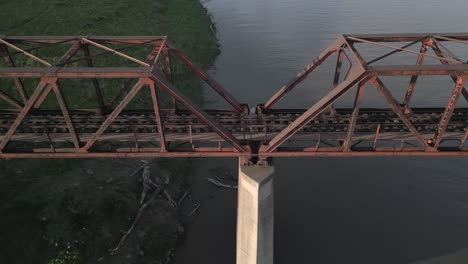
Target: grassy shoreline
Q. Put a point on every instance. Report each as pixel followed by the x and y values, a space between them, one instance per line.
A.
pixel 73 211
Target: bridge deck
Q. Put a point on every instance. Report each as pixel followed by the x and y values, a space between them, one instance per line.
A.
pixel 396 128
pixel 178 125
pixel 328 131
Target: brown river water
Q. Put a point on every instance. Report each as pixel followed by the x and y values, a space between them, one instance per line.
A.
pixel 329 210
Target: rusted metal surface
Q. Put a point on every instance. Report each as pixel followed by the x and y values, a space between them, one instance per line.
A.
pixel 114 129
pixel 409 91
pixel 212 83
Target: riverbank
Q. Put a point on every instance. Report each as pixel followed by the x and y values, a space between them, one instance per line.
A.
pixel 74 211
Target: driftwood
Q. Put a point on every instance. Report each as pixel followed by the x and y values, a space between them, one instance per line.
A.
pixel 169 198
pixel 217 182
pixel 197 206
pixel 153 197
pixel 166 193
pixel 135 172
pixel 146 185
pixel 182 198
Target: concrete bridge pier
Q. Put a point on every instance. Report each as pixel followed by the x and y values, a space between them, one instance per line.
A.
pixel 255 215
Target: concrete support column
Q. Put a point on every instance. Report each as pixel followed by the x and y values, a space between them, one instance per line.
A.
pixel 255 215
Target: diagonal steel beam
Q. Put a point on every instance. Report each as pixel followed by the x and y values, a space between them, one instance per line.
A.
pixel 157 115
pixel 70 53
pixel 445 118
pixel 43 96
pixel 25 53
pixel 462 141
pixel 18 83
pixel 314 111
pixel 354 116
pixel 409 91
pixel 66 115
pixel 10 100
pixel 128 85
pixel 360 61
pixel 316 62
pixel 440 54
pixel 116 52
pixel 155 56
pixel 392 101
pixel 113 115
pixel 395 51
pixel 226 95
pixel 27 107
pixel 160 80
pixel 398 48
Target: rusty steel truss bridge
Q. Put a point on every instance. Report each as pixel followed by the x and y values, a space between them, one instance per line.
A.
pixel 119 96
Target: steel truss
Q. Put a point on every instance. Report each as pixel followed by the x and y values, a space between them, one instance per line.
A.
pixel 184 129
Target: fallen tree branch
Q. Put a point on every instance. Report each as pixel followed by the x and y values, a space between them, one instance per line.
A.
pixel 197 206
pixel 182 198
pixel 153 197
pixel 139 168
pixel 218 183
pixel 146 185
pixel 169 198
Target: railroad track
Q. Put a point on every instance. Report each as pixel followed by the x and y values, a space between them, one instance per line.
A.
pixel 46 126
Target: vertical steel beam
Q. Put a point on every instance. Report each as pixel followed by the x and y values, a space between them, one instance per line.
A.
pixel 157 115
pixel 354 116
pixel 97 88
pixel 135 138
pixel 339 62
pixel 18 83
pixel 445 117
pixel 168 60
pixel 336 78
pixel 392 101
pixel 27 107
pixel 113 115
pixel 409 91
pixel 63 107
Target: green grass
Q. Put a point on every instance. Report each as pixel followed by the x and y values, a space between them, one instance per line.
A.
pixel 54 211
